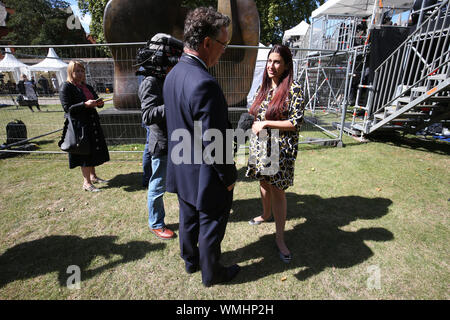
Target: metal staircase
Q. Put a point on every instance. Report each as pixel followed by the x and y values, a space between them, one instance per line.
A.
pixel 411 88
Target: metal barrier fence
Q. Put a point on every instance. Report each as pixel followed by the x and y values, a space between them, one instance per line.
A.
pixel 123 128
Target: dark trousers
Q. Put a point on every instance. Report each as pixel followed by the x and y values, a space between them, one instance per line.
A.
pixel 201 234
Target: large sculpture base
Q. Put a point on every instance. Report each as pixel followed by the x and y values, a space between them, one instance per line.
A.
pixel 128 21
pixel 122 126
pixel 125 126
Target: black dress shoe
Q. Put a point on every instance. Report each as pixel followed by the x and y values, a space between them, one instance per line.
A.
pixel 229 274
pixel 192 269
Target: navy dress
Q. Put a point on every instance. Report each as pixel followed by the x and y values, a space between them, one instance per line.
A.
pixel 72 99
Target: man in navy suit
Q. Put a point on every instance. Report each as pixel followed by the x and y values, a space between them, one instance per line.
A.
pixel 195 104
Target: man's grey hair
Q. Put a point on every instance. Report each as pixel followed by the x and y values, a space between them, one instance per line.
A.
pixel 201 23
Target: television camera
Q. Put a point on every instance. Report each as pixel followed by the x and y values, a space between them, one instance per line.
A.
pixel 161 52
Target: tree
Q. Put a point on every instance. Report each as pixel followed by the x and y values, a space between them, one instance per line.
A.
pixel 96 9
pixel 41 22
pixel 279 15
pixel 275 15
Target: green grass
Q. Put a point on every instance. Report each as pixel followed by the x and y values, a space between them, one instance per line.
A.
pixel 382 204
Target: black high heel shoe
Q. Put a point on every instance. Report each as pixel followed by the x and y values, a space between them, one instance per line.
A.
pixel 285 258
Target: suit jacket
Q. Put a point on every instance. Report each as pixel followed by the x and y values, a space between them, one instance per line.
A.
pixel 153 114
pixel 192 94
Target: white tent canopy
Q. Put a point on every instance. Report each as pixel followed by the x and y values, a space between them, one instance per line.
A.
pixel 357 8
pixel 52 63
pixel 262 53
pixel 299 30
pixel 260 66
pixel 11 64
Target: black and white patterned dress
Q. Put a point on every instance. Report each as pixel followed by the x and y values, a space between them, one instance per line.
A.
pixel 259 166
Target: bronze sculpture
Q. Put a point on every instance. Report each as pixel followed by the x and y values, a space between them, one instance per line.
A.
pixel 128 21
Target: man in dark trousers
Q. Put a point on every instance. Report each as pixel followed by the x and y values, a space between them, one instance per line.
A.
pixel 194 101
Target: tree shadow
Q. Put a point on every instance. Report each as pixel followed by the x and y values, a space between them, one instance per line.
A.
pixel 317 243
pixel 57 253
pixel 130 182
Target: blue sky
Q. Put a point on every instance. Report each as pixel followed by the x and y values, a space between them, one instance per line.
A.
pixel 86 20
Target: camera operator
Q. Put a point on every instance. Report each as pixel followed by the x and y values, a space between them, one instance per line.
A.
pixel 157 58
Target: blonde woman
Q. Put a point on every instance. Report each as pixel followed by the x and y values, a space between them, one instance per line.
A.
pixel 80 101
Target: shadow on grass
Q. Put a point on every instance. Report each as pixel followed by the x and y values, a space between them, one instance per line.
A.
pixel 316 244
pixel 57 253
pixel 413 142
pixel 44 142
pixel 130 182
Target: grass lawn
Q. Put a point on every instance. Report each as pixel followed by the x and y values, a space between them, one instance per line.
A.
pixel 368 221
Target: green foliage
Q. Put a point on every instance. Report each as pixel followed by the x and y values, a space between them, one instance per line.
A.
pixel 96 9
pixel 41 22
pixel 275 15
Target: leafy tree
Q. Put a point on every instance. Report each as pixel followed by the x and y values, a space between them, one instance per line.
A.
pixel 96 9
pixel 279 15
pixel 275 15
pixel 41 22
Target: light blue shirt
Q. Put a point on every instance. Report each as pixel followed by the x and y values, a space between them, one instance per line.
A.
pixel 195 57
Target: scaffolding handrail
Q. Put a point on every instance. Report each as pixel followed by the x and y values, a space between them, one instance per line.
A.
pixel 398 62
pixel 408 39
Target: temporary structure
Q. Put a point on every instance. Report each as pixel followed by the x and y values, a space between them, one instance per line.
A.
pixel 263 53
pixel 52 63
pixel 11 64
pixel 299 30
pixel 356 8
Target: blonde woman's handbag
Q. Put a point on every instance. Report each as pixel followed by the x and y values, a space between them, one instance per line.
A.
pixel 72 141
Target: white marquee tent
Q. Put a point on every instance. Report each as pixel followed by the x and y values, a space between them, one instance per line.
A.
pixel 262 53
pixel 52 63
pixel 299 30
pixel 259 70
pixel 11 64
pixel 357 8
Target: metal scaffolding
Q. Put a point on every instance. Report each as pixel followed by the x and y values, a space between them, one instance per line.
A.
pixel 340 77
